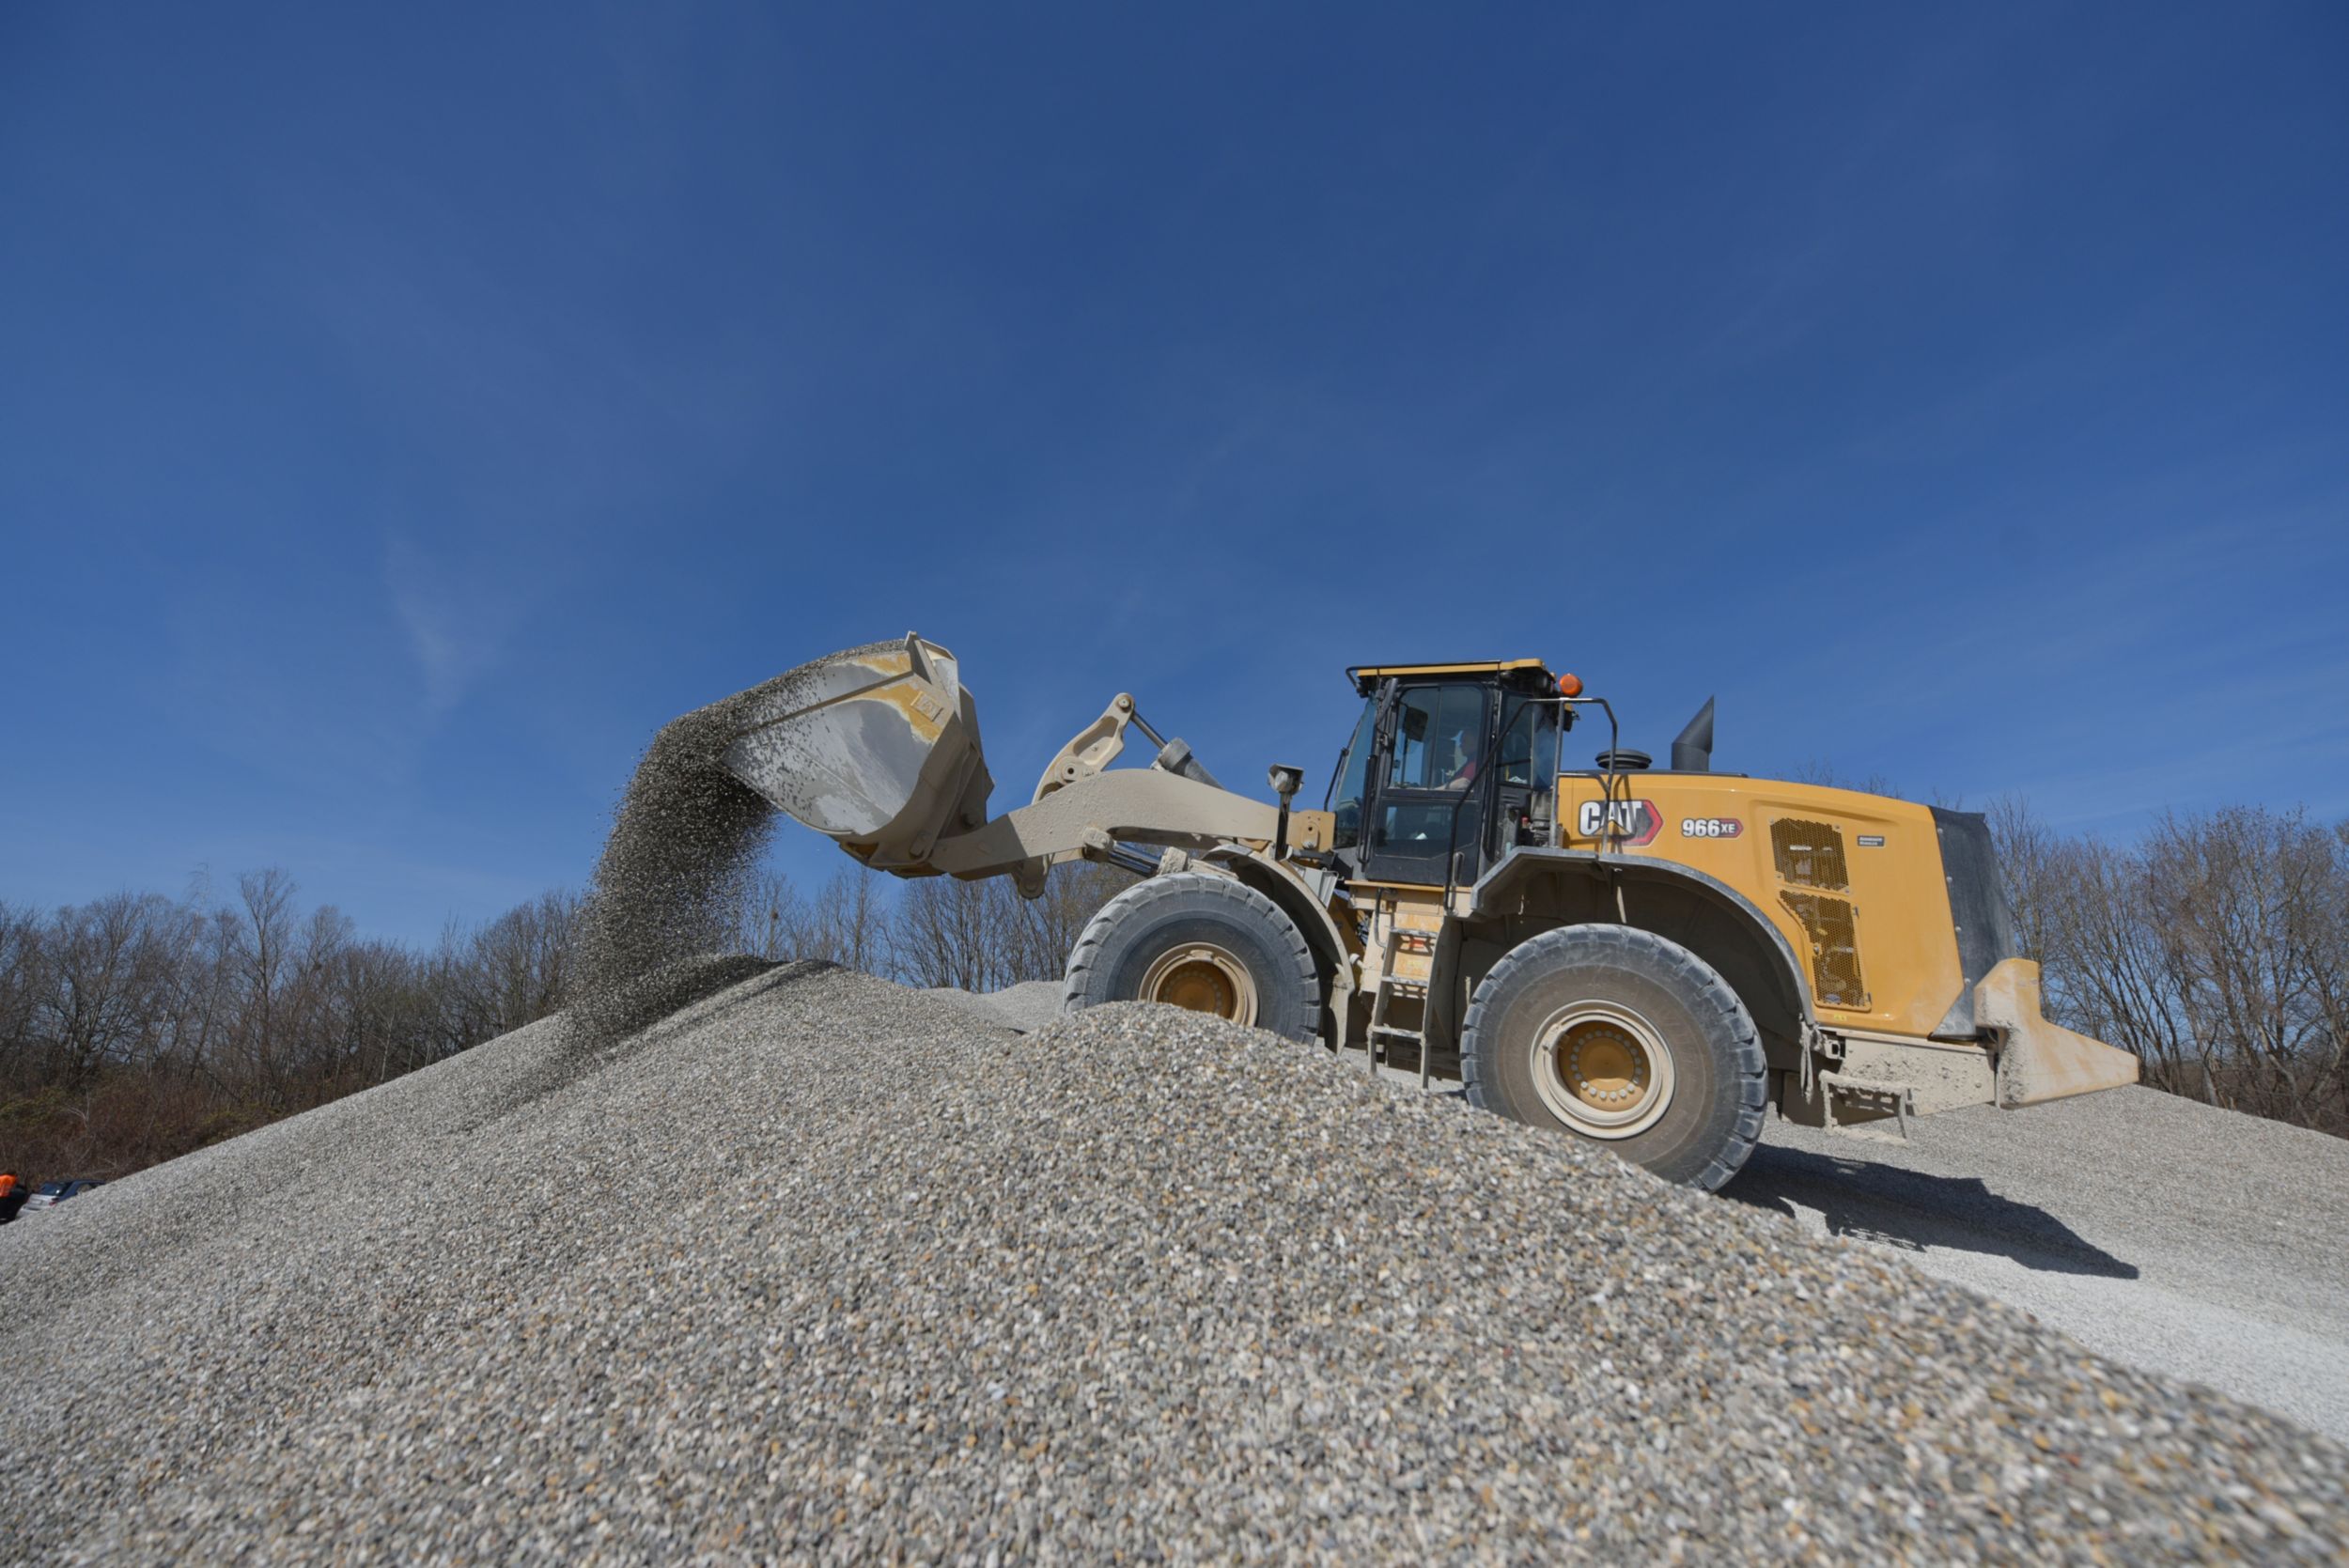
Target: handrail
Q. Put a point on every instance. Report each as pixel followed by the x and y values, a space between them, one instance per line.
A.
pixel 1452 851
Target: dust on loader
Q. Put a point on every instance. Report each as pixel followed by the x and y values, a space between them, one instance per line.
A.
pixel 1644 957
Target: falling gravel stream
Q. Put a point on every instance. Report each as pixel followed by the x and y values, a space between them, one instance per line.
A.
pixel 684 843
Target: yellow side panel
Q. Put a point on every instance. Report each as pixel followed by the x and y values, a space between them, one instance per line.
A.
pixel 1891 861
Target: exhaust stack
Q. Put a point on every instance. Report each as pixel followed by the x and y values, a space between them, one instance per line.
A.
pixel 1692 749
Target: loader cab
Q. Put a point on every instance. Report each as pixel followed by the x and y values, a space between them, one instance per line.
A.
pixel 1451 766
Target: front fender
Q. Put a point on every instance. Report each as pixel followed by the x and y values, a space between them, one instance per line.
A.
pixel 1491 895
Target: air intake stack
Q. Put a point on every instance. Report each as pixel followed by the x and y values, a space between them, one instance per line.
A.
pixel 1693 748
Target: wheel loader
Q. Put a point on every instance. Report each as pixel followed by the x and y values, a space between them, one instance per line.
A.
pixel 1646 958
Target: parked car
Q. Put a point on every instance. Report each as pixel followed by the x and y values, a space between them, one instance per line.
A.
pixel 50 1194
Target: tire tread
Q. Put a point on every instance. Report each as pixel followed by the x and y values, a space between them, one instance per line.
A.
pixel 1705 989
pixel 1292 946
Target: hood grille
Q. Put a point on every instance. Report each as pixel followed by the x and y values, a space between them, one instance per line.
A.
pixel 1810 855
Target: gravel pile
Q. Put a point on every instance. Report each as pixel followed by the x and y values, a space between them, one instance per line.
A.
pixel 823 1268
pixel 2195 1241
pixel 1026 1007
pixel 685 842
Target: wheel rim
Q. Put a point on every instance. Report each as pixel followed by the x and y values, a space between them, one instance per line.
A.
pixel 1603 1070
pixel 1201 978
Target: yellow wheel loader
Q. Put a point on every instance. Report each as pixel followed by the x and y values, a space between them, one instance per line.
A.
pixel 1647 957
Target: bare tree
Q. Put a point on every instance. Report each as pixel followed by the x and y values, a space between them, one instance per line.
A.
pixel 513 970
pixel 264 953
pixel 1044 931
pixel 955 933
pixel 983 936
pixel 770 918
pixel 133 1029
pixel 20 982
pixel 106 961
pixel 848 923
pixel 2247 899
pixel 2027 853
pixel 2217 949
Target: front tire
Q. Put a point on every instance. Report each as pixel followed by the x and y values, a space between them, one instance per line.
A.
pixel 1207 943
pixel 1626 1039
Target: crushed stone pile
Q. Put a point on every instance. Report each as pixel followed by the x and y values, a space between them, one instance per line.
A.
pixel 1028 1006
pixel 822 1268
pixel 2196 1241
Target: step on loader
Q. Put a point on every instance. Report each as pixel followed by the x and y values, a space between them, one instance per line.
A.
pixel 1647 957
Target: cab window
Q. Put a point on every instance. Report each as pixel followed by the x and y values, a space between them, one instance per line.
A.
pixel 1438 736
pixel 1528 744
pixel 1346 785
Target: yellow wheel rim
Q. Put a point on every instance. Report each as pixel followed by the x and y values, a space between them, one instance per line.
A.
pixel 1603 1070
pixel 1203 978
pixel 1603 1065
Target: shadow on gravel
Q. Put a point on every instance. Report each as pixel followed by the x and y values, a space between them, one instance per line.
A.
pixel 1912 1211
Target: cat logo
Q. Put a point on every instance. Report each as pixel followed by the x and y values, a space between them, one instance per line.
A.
pixel 1630 823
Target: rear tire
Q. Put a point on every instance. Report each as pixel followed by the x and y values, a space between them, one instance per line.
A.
pixel 1204 942
pixel 1626 1039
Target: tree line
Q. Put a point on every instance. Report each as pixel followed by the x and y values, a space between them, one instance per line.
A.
pixel 2216 946
pixel 136 1028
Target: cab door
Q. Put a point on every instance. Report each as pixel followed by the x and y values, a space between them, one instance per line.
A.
pixel 1525 773
pixel 1425 819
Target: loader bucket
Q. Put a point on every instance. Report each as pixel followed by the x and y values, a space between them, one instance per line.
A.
pixel 877 748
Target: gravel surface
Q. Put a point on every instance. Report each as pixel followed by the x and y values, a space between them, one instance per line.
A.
pixel 824 1268
pixel 1026 1007
pixel 2190 1241
pixel 2207 1244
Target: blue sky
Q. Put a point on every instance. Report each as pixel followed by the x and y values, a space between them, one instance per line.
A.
pixel 402 414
